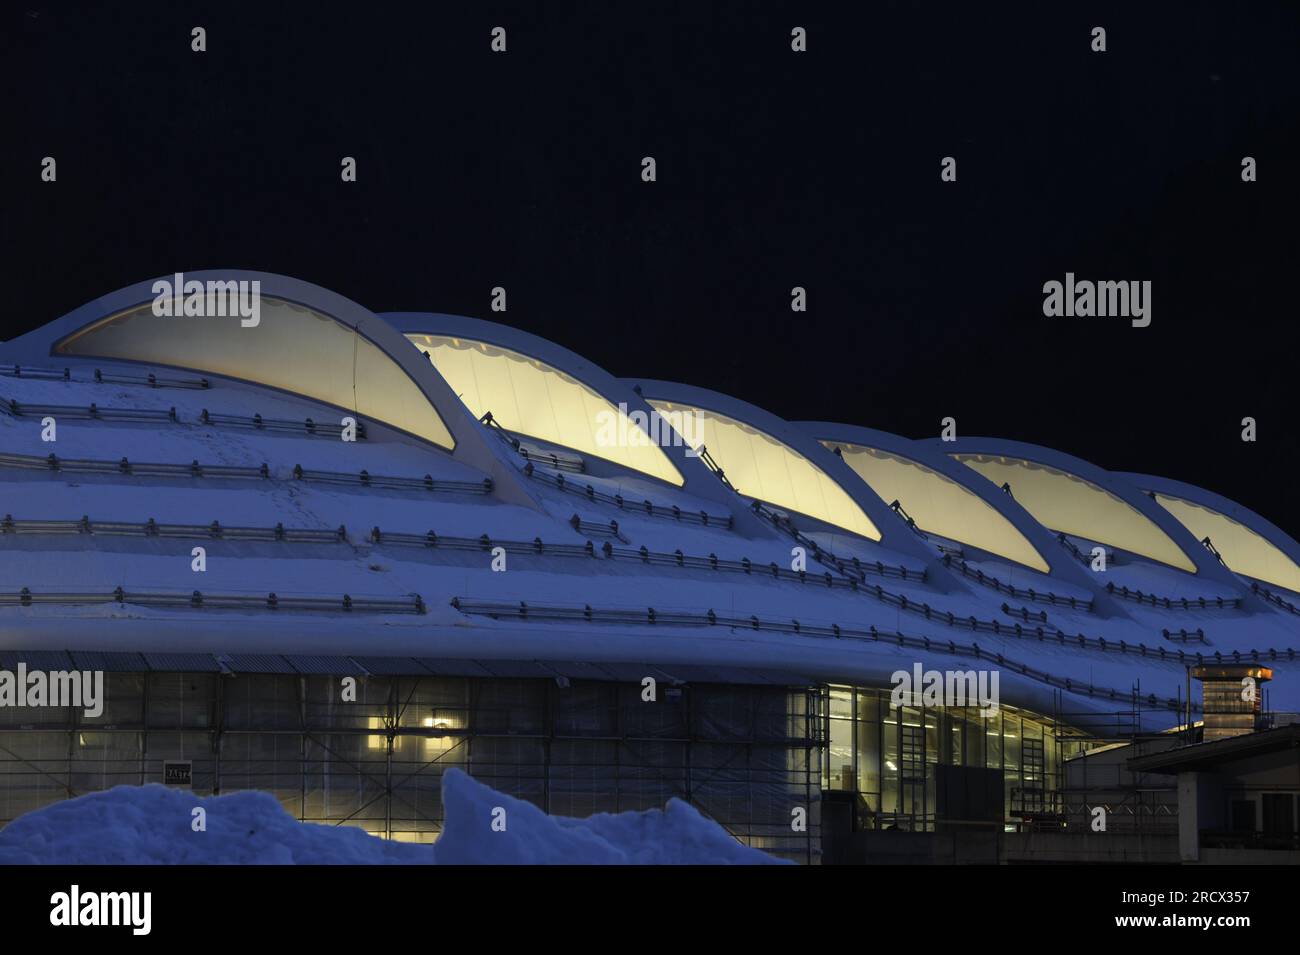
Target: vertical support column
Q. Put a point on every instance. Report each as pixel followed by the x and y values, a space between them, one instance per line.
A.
pixel 143 739
pixel 810 736
pixel 72 743
pixel 550 702
pixel 393 688
pixel 217 742
pixel 687 692
pixel 302 748
pixel 620 734
pixel 1189 830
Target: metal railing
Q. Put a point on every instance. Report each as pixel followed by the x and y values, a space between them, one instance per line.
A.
pixel 1057 636
pixel 1022 593
pixel 1277 601
pixel 195 469
pixel 197 600
pixel 365 479
pixel 65 374
pixel 597 528
pixel 95 412
pixel 532 453
pixel 484 543
pixel 1079 555
pixel 1024 613
pixel 1174 603
pixel 151 528
pixel 258 423
pixel 125 466
pixel 850 567
pixel 92 412
pixel 646 507
pixel 1185 636
pixel 649 616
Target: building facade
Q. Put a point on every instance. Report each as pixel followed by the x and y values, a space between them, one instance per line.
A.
pixel 328 553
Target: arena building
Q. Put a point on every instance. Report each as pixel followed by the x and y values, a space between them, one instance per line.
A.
pixel 329 553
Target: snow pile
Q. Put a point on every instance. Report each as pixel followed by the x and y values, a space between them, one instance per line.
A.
pixel 152 824
pixel 141 825
pixel 675 835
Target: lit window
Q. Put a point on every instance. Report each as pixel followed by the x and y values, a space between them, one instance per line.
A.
pixel 377 742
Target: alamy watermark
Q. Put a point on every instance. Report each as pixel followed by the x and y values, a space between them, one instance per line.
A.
pixel 957 688
pixel 133 910
pixel 631 429
pixel 75 688
pixel 1085 299
pixel 213 299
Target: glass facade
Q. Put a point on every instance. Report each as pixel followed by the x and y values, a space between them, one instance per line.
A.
pixel 889 756
pixel 765 469
pixel 1071 505
pixel 939 504
pixel 532 398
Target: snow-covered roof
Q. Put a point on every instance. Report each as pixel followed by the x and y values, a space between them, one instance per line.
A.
pixel 378 555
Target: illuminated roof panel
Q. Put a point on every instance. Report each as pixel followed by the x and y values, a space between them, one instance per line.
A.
pixel 532 398
pixel 1068 504
pixel 293 348
pixel 1242 549
pixel 765 469
pixel 939 504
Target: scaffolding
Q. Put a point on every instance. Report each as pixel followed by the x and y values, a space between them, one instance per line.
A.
pixel 746 756
pixel 1098 785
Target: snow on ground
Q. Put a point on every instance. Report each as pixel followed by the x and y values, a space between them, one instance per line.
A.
pixel 674 835
pixel 142 825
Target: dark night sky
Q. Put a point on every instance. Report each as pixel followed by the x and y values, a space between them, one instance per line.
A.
pixel 775 170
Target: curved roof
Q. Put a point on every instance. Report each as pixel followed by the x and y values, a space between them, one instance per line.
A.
pixel 293 348
pixel 941 496
pixel 540 389
pixel 535 388
pixel 771 460
pixel 309 341
pixel 381 550
pixel 1072 496
pixel 1248 544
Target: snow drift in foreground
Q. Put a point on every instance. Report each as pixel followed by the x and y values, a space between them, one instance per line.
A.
pixel 152 824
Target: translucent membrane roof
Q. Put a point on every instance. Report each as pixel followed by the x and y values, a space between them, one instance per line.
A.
pixel 1243 550
pixel 939 504
pixel 533 398
pixel 763 468
pixel 1067 503
pixel 293 348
